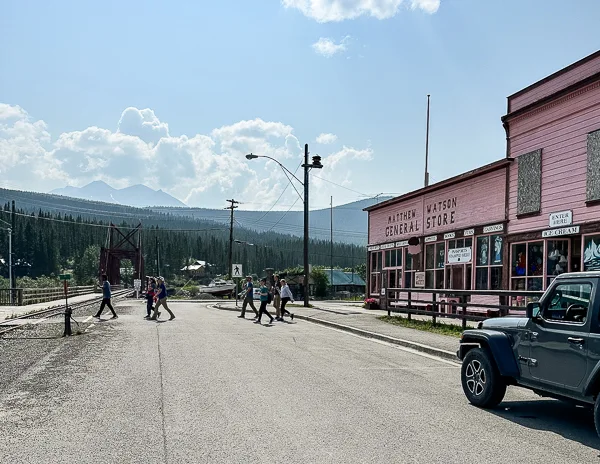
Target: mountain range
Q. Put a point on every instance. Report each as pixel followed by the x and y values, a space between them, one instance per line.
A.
pixel 137 195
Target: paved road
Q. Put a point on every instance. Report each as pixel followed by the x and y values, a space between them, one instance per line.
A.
pixel 211 388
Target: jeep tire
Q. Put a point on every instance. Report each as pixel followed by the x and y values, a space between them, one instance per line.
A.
pixel 481 381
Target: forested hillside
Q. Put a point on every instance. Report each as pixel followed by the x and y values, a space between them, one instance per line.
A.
pixel 67 235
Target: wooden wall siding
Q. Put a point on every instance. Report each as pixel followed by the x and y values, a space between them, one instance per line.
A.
pixel 475 202
pixel 593 166
pixel 560 130
pixel 529 182
pixel 560 82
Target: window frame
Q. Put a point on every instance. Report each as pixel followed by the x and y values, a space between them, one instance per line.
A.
pixel 590 303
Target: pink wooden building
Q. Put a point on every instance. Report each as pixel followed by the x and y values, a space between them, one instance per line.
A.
pixel 459 224
pixel 516 223
pixel 553 135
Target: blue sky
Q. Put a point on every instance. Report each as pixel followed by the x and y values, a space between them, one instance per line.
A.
pixel 173 94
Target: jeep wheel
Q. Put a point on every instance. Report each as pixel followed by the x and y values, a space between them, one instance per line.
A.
pixel 481 381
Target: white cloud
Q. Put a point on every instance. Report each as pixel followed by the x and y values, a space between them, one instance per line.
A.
pixel 340 10
pixel 328 48
pixel 201 170
pixel 326 139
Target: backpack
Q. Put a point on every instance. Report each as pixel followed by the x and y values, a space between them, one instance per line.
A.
pixel 269 298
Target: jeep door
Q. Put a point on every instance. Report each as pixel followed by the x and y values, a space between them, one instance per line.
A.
pixel 559 335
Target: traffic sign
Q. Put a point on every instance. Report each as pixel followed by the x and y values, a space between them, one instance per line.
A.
pixel 236 271
pixel 64 276
pixel 137 284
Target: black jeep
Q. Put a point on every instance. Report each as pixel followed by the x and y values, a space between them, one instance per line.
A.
pixel 554 350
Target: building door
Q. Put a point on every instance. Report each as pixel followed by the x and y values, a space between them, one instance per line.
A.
pixel 455 277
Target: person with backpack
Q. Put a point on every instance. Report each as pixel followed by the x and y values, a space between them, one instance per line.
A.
pixel 106 296
pixel 162 300
pixel 264 299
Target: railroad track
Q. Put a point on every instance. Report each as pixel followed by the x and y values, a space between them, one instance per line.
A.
pixel 9 324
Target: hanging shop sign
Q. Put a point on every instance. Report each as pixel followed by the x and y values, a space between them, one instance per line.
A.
pixel 494 228
pixel 561 218
pixel 419 279
pixel 387 246
pixel 431 238
pixel 469 232
pixel 562 231
pixel 449 235
pixel 403 243
pixel 374 248
pixel 459 255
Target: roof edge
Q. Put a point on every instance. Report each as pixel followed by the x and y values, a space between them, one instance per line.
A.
pixel 504 162
pixel 556 74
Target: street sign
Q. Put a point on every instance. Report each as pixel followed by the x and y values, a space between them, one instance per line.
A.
pixel 236 271
pixel 64 276
pixel 137 284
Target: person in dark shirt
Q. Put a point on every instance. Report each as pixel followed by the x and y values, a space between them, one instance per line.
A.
pixel 264 298
pixel 150 292
pixel 106 296
pixel 162 300
pixel 248 298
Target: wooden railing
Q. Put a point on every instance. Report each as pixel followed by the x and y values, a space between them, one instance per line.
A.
pixel 27 296
pixel 468 305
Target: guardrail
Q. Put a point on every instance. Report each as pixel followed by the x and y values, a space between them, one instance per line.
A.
pixel 468 305
pixel 27 296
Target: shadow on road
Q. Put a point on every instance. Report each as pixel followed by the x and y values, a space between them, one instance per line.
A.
pixel 571 422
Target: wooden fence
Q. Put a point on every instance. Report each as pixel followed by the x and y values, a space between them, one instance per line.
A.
pixel 468 305
pixel 27 296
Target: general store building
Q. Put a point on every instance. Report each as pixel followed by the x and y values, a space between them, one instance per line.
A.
pixel 459 224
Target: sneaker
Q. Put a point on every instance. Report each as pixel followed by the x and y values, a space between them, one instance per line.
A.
pixel 115 317
pixel 271 321
pixel 96 316
pixel 243 317
pixel 171 318
pixel 152 318
pixel 292 316
pixel 158 315
pixel 257 321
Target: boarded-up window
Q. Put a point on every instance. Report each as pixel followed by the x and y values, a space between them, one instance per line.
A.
pixel 529 194
pixel 593 166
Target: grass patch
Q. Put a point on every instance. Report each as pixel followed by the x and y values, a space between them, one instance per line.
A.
pixel 427 326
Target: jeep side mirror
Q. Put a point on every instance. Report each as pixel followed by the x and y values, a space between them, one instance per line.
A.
pixel 533 310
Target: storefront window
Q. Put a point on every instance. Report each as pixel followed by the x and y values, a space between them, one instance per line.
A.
pixel 527 267
pixel 458 272
pixel 375 270
pixel 412 264
pixel 591 253
pixel 435 257
pixel 488 262
pixel 558 258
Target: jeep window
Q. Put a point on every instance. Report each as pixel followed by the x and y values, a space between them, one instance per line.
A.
pixel 568 303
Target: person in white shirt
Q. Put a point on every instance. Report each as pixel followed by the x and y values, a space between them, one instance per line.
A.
pixel 286 295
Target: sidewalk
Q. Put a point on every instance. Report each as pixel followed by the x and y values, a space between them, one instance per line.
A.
pixel 9 311
pixel 353 318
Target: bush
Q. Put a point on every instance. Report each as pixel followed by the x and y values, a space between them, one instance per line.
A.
pixel 191 290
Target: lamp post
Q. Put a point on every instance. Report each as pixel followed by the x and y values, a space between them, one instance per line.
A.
pixel 10 292
pixel 316 164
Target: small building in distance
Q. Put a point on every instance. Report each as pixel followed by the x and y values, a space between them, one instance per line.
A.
pixel 197 269
pixel 343 282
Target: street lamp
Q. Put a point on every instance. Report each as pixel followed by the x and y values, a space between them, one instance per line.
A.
pixel 316 164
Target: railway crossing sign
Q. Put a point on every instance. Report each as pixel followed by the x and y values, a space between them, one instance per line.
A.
pixel 236 271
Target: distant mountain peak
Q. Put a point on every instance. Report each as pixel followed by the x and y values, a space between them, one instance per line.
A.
pixel 137 195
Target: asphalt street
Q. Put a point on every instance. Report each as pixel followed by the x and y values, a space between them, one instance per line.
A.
pixel 211 388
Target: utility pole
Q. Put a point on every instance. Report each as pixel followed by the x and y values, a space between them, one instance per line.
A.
pixel 12 279
pixel 231 207
pixel 10 285
pixel 427 145
pixel 306 168
pixel 157 258
pixel 331 245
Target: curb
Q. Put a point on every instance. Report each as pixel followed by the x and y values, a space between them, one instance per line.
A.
pixel 448 355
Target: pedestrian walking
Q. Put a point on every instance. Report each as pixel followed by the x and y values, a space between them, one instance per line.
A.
pixel 286 296
pixel 106 296
pixel 150 293
pixel 264 299
pixel 248 298
pixel 161 300
pixel 275 292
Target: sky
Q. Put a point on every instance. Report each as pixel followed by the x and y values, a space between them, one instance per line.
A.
pixel 173 94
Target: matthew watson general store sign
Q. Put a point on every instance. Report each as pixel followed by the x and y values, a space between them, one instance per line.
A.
pixel 440 214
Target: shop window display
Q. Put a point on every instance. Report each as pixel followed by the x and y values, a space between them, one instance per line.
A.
pixel 591 253
pixel 488 263
pixel 557 258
